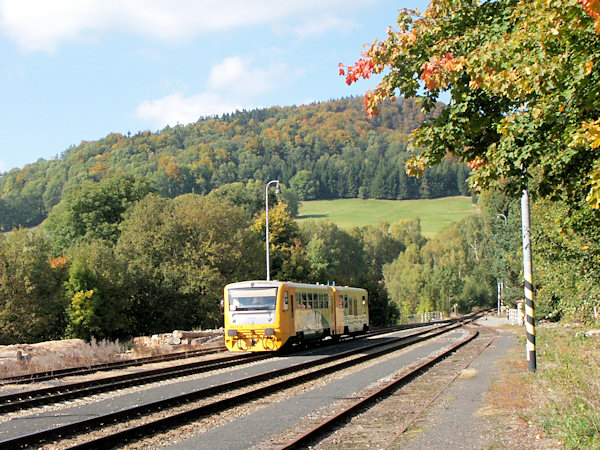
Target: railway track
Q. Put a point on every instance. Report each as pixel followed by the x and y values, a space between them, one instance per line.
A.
pixel 85 370
pixel 38 377
pixel 249 388
pixel 48 395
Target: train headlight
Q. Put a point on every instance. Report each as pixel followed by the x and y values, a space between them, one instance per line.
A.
pixel 269 332
pixel 231 333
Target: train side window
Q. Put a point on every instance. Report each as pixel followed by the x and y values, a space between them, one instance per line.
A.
pixel 326 301
pixel 355 306
pixel 350 309
pixel 310 300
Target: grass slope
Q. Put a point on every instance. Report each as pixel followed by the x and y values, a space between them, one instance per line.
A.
pixel 435 214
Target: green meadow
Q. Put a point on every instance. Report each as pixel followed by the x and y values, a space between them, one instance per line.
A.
pixel 435 214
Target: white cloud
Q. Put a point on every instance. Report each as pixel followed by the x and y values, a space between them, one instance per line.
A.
pixel 176 108
pixel 43 24
pixel 237 76
pixel 233 84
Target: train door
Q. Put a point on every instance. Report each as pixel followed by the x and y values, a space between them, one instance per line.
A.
pixel 331 310
pixel 287 310
pixel 339 311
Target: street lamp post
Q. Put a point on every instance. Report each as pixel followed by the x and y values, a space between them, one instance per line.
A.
pixel 277 191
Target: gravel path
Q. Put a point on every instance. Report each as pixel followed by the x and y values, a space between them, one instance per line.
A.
pixel 457 419
pixel 463 418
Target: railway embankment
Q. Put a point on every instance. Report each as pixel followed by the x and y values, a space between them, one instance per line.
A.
pixel 496 403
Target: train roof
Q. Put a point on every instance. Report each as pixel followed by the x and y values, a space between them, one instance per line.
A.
pixel 275 283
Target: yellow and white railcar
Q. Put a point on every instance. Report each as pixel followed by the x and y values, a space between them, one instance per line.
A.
pixel 266 315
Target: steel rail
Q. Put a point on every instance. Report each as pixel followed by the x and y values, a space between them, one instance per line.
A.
pixel 171 421
pixel 45 396
pixel 220 405
pixel 49 395
pixel 85 370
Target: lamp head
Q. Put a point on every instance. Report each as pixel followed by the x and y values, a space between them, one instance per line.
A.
pixel 277 189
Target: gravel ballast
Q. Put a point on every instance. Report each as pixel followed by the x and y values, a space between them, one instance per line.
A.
pixel 275 418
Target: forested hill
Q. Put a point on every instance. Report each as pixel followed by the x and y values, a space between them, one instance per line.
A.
pixel 324 150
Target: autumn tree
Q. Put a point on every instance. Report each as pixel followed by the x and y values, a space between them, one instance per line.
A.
pixel 94 211
pixel 523 81
pixel 99 293
pixel 334 141
pixel 353 258
pixel 454 267
pixel 32 300
pixel 326 248
pixel 405 278
pixel 380 246
pixel 180 253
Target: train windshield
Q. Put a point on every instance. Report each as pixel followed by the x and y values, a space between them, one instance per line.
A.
pixel 253 299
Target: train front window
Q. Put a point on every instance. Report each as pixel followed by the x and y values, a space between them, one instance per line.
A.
pixel 252 299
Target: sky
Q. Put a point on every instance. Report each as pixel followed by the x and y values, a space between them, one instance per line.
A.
pixel 74 70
